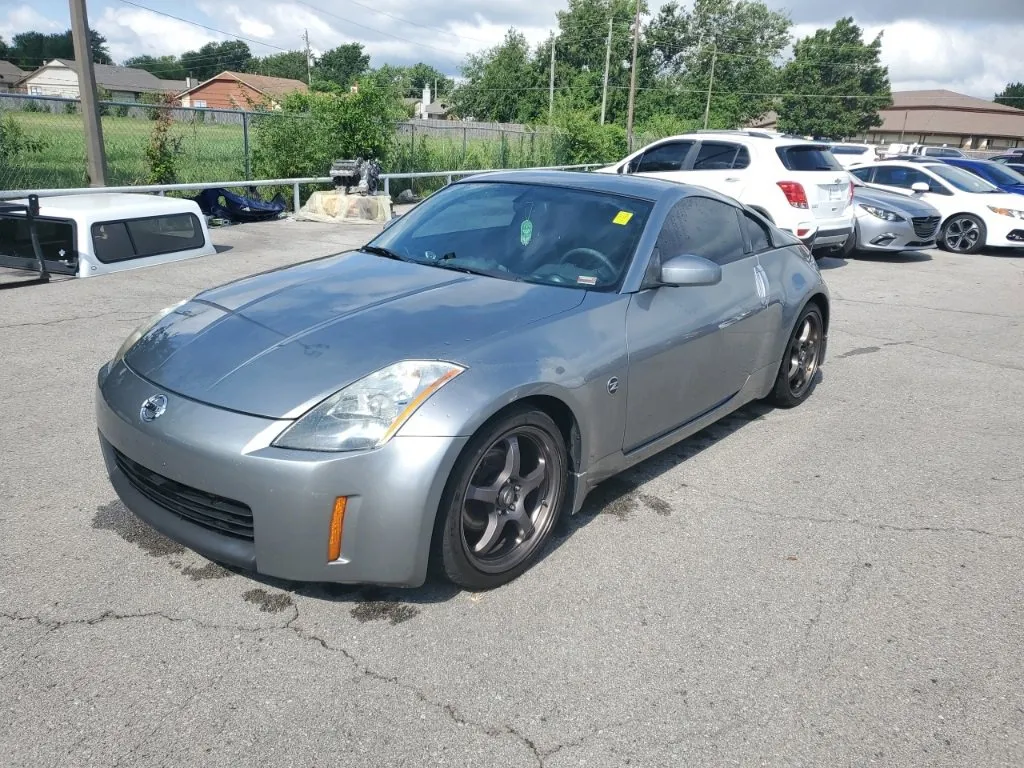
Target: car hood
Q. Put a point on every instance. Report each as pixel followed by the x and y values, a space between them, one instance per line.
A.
pixel 275 344
pixel 904 204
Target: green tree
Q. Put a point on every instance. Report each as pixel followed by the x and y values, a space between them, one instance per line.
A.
pixel 420 75
pixel 342 65
pixel 164 67
pixel 835 85
pixel 214 58
pixel 4 49
pixel 313 129
pixel 502 83
pixel 29 50
pixel 290 64
pixel 741 39
pixel 1012 95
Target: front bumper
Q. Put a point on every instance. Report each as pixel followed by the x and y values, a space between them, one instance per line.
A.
pixel 224 458
pixel 878 236
pixel 1008 234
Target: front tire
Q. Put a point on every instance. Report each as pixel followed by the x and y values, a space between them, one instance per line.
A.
pixel 800 363
pixel 503 499
pixel 963 233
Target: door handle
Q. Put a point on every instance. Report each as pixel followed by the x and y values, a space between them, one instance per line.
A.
pixel 731 178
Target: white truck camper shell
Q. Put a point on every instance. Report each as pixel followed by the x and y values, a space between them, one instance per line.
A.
pixel 96 234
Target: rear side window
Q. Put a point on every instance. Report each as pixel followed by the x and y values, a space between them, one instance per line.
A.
pixel 137 238
pixel 714 156
pixel 864 174
pixel 665 157
pixel 699 226
pixel 808 157
pixel 756 232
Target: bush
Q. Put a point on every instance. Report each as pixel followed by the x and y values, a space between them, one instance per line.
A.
pixel 32 105
pixel 121 110
pixel 14 143
pixel 585 141
pixel 70 107
pixel 311 130
pixel 163 149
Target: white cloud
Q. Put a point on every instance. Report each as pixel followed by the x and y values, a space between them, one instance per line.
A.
pixel 22 18
pixel 248 25
pixel 133 32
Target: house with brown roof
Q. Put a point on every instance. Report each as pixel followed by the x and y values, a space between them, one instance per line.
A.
pixel 59 77
pixel 240 90
pixel 945 117
pixel 9 76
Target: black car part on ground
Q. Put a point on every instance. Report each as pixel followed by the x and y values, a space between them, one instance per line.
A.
pixel 238 209
pixel 30 211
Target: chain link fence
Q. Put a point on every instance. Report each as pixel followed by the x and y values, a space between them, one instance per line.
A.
pixel 42 144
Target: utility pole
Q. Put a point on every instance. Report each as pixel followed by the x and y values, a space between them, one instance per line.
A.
pixel 551 84
pixel 309 60
pixel 96 157
pixel 711 83
pixel 607 63
pixel 632 80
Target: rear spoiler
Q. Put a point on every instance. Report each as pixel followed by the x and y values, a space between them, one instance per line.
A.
pixel 31 211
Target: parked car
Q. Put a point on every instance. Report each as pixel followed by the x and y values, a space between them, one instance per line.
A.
pixel 853 154
pixel 974 212
pixel 797 185
pixel 1014 162
pixel 1001 176
pixel 888 222
pixel 447 392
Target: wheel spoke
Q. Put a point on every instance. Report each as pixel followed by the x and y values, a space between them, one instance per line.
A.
pixel 533 480
pixel 805 332
pixel 523 521
pixel 485 495
pixel 491 535
pixel 794 366
pixel 512 459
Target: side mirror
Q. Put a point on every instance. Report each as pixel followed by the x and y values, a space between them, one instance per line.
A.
pixel 920 186
pixel 690 270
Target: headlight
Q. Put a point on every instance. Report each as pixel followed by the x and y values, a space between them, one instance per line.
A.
pixel 1007 212
pixel 143 329
pixel 882 213
pixel 368 413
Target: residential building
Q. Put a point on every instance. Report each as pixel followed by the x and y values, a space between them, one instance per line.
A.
pixel 240 90
pixel 425 109
pixel 9 76
pixel 59 77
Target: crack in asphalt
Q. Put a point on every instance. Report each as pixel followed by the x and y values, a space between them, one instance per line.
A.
pixel 129 315
pixel 836 298
pixel 447 709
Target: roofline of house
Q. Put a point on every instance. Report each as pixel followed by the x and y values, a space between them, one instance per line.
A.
pixel 237 79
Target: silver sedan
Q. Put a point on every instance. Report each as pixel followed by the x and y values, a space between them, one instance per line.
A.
pixel 444 395
pixel 888 222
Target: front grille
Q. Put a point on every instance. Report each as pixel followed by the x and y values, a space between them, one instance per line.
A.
pixel 925 226
pixel 225 516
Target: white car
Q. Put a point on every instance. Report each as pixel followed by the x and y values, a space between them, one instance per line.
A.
pixel 850 155
pixel 798 185
pixel 975 214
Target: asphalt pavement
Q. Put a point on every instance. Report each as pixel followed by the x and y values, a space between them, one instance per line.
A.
pixel 835 585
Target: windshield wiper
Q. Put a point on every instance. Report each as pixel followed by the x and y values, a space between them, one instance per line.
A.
pixel 440 264
pixel 387 253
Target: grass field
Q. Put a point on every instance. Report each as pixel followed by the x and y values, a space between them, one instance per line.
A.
pixel 211 152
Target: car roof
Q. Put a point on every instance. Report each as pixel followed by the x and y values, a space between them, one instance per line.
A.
pixel 625 184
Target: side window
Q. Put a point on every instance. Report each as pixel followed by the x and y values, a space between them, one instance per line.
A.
pixel 742 158
pixel 756 232
pixel 714 156
pixel 664 157
pixel 56 238
pixel 864 174
pixel 700 226
pixel 136 238
pixel 898 176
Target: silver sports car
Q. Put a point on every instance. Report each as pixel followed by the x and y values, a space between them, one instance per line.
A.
pixel 445 394
pixel 888 222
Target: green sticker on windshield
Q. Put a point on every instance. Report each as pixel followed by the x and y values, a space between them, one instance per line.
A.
pixel 526 232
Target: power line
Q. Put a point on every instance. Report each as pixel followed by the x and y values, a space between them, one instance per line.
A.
pixel 202 26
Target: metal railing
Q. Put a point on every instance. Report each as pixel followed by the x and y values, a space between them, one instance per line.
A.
pixel 161 189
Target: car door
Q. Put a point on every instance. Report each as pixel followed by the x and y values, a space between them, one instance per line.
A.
pixel 692 348
pixel 662 161
pixel 719 165
pixel 901 179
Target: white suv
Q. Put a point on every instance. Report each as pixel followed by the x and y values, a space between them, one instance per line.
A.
pixel 796 184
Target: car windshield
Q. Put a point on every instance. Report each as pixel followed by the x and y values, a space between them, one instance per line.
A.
pixel 522 231
pixel 1000 174
pixel 963 180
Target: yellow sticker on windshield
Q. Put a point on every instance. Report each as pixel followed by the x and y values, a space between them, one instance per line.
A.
pixel 622 218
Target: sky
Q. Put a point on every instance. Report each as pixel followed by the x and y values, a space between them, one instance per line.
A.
pixel 968 47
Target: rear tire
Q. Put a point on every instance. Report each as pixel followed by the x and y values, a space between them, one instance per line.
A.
pixel 503 499
pixel 801 360
pixel 850 246
pixel 963 233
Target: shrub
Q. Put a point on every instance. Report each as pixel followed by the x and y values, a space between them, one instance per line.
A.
pixel 164 148
pixel 583 140
pixel 33 105
pixel 14 143
pixel 70 107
